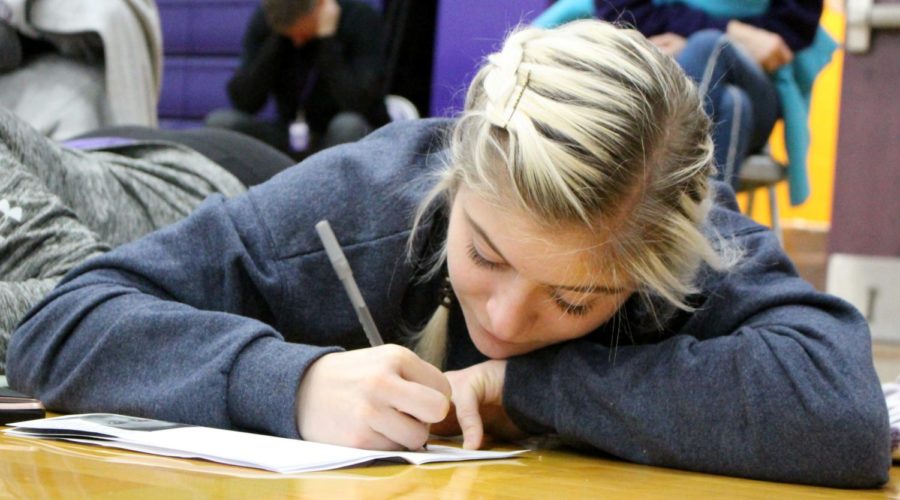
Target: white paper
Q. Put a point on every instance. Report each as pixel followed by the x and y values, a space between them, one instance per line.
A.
pixel 229 447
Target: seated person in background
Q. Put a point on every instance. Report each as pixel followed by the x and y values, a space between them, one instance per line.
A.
pixel 563 254
pixel 322 61
pixel 728 56
pixel 60 205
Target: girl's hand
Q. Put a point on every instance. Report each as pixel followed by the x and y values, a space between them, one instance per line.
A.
pixel 478 402
pixel 381 398
pixel 765 47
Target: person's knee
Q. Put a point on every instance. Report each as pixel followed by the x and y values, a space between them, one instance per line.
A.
pixel 702 46
pixel 702 58
pixel 347 127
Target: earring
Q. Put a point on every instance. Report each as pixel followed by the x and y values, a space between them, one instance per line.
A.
pixel 447 295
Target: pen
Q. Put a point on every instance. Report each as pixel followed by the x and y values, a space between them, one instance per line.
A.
pixel 345 274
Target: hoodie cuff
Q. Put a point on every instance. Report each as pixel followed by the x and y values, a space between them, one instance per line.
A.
pixel 263 384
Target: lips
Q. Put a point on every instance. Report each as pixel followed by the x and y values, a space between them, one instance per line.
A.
pixel 492 336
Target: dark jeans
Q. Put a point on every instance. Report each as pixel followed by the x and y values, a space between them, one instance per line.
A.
pixel 344 127
pixel 251 161
pixel 739 97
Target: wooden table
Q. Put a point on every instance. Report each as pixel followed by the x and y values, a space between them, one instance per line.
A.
pixel 31 468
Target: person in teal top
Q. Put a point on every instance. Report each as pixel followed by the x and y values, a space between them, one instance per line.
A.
pixel 778 37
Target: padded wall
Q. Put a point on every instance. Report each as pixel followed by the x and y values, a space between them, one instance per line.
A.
pixel 467 30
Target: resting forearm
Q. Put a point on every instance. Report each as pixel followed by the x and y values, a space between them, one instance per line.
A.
pixel 778 387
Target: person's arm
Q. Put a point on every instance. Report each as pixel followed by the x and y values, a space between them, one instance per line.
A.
pixel 795 21
pixel 769 379
pixel 250 86
pixel 651 19
pixel 215 320
pixel 40 240
pixel 164 328
pixel 351 62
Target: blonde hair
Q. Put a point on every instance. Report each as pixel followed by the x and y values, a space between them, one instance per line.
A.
pixel 589 124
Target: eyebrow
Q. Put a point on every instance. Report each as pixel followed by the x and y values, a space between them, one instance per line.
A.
pixel 609 290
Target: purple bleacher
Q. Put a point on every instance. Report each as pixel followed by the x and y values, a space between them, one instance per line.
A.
pixel 192 86
pixel 202 46
pixel 467 30
pixel 209 27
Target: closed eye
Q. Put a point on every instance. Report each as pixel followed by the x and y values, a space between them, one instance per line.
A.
pixel 569 308
pixel 480 261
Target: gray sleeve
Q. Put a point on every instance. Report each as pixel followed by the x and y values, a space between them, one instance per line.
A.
pixel 768 379
pixel 40 240
pixel 122 194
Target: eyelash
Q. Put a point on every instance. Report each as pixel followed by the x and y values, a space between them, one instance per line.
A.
pixel 479 260
pixel 570 309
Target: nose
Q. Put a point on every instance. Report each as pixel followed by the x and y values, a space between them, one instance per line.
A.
pixel 508 310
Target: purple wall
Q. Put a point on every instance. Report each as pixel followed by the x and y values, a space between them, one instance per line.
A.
pixel 467 30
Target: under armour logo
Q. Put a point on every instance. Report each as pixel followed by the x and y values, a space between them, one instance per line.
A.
pixel 14 213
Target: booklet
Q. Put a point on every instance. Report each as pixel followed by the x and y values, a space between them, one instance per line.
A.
pixel 228 447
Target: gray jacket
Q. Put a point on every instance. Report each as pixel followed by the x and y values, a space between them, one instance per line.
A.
pixel 63 205
pixel 214 321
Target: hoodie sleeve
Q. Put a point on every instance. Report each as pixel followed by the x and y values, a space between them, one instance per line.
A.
pixel 214 320
pixel 768 379
pixel 175 326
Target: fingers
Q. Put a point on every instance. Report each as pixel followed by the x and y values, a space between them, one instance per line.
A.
pixel 412 394
pixel 401 430
pixel 420 372
pixel 420 402
pixel 786 54
pixel 411 385
pixel 466 401
pixel 378 398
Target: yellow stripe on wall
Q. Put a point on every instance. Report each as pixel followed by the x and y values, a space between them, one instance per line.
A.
pixel 824 114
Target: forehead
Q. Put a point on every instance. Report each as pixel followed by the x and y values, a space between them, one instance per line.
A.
pixel 568 254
